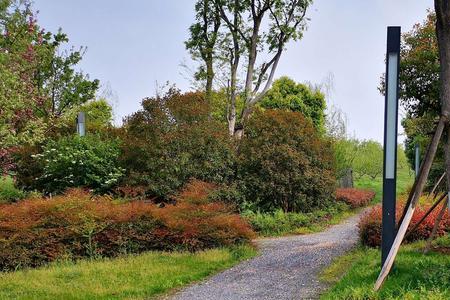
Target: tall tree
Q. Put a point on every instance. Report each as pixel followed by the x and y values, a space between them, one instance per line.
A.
pixel 250 39
pixel 419 90
pixel 202 41
pixel 442 8
pixel 38 82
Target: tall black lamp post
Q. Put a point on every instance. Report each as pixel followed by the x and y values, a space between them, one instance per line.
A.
pixel 390 140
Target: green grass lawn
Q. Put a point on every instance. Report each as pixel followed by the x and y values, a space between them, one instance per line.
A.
pixel 405 179
pixel 132 277
pixel 415 275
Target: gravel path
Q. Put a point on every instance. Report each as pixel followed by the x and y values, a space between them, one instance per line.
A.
pixel 287 268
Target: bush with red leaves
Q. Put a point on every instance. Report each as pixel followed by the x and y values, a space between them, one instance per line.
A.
pixel 370 225
pixel 77 225
pixel 355 197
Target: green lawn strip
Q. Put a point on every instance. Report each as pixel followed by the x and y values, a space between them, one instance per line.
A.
pixel 131 277
pixel 405 179
pixel 281 223
pixel 415 276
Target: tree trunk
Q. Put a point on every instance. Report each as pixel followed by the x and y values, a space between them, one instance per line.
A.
pixel 346 181
pixel 252 57
pixel 209 79
pixel 442 8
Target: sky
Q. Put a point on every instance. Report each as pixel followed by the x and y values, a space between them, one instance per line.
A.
pixel 133 45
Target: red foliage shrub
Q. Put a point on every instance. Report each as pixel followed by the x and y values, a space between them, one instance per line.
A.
pixel 131 192
pixel 77 225
pixel 355 197
pixel 370 225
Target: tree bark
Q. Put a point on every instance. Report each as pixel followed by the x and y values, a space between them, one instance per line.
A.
pixel 209 79
pixel 442 8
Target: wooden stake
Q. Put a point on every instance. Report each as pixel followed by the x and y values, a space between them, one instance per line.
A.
pixel 420 183
pixel 394 250
pixel 444 196
pixel 435 228
pixel 436 186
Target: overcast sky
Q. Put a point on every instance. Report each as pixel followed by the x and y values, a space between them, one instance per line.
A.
pixel 133 44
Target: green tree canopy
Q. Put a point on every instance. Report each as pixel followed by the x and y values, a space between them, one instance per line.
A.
pixel 419 89
pixel 287 94
pixel 39 81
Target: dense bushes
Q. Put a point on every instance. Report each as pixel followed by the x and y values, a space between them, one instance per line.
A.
pixel 281 223
pixel 283 163
pixel 73 161
pixel 8 192
pixel 76 225
pixel 173 139
pixel 355 197
pixel 370 225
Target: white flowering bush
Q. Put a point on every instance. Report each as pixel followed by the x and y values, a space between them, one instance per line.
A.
pixel 89 162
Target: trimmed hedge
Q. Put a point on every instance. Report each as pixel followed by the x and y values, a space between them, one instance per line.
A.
pixel 355 197
pixel 370 225
pixel 78 225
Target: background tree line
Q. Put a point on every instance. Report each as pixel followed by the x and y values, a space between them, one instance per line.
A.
pixel 288 157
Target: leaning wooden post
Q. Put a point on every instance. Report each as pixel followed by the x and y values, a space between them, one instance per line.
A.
pixel 435 227
pixel 420 184
pixel 433 191
pixel 442 8
pixel 444 196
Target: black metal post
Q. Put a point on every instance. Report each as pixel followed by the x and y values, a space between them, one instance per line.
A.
pixel 81 124
pixel 390 140
pixel 417 159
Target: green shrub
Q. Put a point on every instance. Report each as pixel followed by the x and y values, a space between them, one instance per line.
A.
pixel 74 161
pixel 283 163
pixel 280 223
pixel 287 94
pixel 443 242
pixel 77 225
pixel 8 192
pixel 173 139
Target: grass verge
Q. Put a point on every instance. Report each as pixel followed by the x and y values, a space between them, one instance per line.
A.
pixel 415 275
pixel 281 223
pixel 405 179
pixel 131 277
